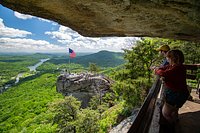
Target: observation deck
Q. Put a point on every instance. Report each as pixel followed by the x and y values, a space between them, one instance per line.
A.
pixel 148 118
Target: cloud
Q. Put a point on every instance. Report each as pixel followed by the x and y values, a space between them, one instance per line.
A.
pixel 54 23
pixel 28 45
pixel 11 32
pixel 14 40
pixel 64 34
pixel 42 19
pixel 23 16
pixel 69 38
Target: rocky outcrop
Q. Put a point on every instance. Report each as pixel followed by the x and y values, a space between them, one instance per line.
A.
pixel 83 86
pixel 178 19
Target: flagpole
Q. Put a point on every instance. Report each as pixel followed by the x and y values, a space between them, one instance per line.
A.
pixel 69 55
pixel 69 63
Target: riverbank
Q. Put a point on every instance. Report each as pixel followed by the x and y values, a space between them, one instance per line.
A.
pixel 32 72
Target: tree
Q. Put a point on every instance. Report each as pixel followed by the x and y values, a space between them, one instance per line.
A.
pixel 88 121
pixel 66 112
pixel 130 87
pixel 190 50
pixel 140 58
pixel 93 67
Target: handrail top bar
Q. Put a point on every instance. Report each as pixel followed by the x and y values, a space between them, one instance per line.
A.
pixel 197 65
pixel 192 66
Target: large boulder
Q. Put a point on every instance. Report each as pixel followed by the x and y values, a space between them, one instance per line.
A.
pixel 178 19
pixel 83 86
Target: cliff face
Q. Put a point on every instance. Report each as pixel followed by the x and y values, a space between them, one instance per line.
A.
pixel 83 86
pixel 178 19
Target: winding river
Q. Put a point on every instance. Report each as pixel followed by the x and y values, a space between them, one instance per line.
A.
pixel 32 68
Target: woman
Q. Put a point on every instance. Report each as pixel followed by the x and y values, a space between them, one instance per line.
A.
pixel 176 92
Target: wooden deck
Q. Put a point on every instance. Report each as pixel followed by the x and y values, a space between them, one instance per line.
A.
pixel 189 116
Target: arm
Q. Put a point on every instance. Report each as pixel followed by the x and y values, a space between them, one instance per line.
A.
pixel 168 71
pixel 155 67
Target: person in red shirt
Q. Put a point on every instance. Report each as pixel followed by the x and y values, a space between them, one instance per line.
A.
pixel 176 92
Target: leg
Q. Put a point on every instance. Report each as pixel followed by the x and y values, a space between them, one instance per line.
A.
pixel 170 113
pixel 175 115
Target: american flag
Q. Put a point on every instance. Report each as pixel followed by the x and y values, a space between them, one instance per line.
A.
pixel 72 54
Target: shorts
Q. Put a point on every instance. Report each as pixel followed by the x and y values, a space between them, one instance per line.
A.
pixel 176 99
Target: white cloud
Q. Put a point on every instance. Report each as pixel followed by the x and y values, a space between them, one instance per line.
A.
pixel 54 23
pixel 45 20
pixel 28 45
pixel 22 16
pixel 59 35
pixel 11 32
pixel 72 39
pixel 63 34
pixel 10 41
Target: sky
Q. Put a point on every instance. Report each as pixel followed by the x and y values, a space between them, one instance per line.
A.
pixel 26 33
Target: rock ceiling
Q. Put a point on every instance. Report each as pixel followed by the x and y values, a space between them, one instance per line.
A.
pixel 178 19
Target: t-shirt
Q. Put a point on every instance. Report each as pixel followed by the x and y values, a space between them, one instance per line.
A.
pixel 174 77
pixel 165 62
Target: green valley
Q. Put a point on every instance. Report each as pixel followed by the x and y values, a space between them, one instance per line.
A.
pixel 34 106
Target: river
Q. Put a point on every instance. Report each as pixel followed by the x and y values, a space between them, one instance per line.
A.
pixel 31 68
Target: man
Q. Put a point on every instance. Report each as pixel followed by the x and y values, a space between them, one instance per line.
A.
pixel 163 52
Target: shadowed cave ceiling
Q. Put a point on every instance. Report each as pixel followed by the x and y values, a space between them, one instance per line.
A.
pixel 177 19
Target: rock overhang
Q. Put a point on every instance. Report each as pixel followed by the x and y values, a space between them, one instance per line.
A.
pixel 177 19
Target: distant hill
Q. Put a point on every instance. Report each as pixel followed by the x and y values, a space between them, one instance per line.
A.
pixel 102 58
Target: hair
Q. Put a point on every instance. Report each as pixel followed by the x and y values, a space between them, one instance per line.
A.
pixel 176 56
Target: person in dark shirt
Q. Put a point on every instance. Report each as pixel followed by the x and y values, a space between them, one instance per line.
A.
pixel 176 92
pixel 163 52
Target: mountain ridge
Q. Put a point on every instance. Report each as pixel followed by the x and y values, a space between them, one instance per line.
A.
pixel 102 58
